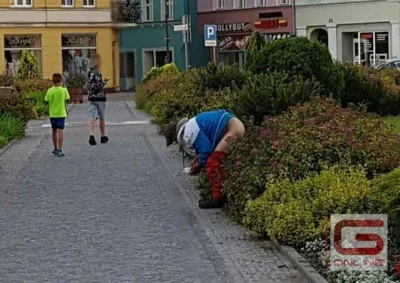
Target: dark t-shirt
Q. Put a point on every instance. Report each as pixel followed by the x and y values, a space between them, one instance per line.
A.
pixel 95 85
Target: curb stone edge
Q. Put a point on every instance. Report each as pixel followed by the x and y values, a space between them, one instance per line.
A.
pixel 10 144
pixel 301 264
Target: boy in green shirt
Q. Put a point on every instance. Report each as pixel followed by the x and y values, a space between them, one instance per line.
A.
pixel 57 98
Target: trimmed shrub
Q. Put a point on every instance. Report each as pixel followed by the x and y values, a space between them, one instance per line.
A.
pixel 156 71
pixel 24 86
pixel 294 213
pixel 377 90
pixel 213 77
pixel 6 80
pixel 19 107
pixel 28 66
pixel 298 57
pixel 146 91
pixel 302 141
pixel 270 94
pixel 185 101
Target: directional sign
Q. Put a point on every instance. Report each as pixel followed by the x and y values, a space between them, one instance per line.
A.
pixel 181 28
pixel 210 35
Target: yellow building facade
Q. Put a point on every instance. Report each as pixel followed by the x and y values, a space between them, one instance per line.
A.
pixel 62 34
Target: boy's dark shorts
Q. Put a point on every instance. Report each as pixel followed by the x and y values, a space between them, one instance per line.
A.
pixel 57 123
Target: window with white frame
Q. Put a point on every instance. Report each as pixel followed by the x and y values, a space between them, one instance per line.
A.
pixel 261 3
pixel 240 4
pixel 67 3
pixel 170 5
pixel 147 14
pixel 218 4
pixel 283 2
pixel 89 3
pixel 23 3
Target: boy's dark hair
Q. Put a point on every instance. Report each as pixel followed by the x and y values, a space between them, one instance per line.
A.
pixel 57 78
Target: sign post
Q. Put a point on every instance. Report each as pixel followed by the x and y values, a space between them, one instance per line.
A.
pixel 210 39
pixel 185 31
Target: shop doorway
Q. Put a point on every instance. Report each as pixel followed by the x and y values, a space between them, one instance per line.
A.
pixel 320 35
pixel 127 70
pixel 232 58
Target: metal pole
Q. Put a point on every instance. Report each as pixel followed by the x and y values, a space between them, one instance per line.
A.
pixel 189 23
pixel 168 59
pixel 186 50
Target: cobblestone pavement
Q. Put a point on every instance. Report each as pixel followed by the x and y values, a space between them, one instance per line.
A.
pixel 120 212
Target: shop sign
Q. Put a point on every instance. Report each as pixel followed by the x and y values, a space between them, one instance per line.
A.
pixel 233 43
pixel 271 24
pixel 21 41
pixel 367 40
pixel 234 27
pixel 78 41
pixel 382 37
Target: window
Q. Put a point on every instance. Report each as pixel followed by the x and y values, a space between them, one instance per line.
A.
pixel 13 47
pixel 218 4
pixel 170 10
pixel 261 2
pixel 22 3
pixel 240 4
pixel 67 3
pixel 76 53
pixel 154 58
pixel 283 2
pixel 89 3
pixel 147 10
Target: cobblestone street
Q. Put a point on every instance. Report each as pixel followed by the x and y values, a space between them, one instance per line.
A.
pixel 119 212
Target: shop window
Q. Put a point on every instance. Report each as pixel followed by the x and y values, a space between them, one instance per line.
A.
pixel 89 3
pixel 67 3
pixel 22 3
pixel 13 47
pixel 371 48
pixel 76 53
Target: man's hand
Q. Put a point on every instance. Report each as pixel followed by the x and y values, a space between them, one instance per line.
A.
pixel 196 168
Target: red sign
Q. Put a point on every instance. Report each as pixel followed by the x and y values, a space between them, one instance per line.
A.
pixel 271 24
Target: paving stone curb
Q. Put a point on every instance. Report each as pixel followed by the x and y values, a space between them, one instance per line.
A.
pixel 10 144
pixel 300 263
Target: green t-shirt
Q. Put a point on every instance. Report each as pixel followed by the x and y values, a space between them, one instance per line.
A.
pixel 57 97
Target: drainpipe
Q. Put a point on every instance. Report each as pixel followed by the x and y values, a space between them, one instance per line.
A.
pixel 294 16
pixel 166 11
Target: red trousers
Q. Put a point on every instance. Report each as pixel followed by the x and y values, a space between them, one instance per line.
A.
pixel 215 174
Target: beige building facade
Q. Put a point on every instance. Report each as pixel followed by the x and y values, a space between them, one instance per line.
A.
pixel 364 32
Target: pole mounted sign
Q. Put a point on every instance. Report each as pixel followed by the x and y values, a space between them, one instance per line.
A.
pixel 210 35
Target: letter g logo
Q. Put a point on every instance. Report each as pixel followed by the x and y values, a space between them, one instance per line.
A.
pixel 359 237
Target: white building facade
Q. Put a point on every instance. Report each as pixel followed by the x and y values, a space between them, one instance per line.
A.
pixel 360 31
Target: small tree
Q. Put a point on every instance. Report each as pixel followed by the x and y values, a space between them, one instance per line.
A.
pixel 28 66
pixel 254 45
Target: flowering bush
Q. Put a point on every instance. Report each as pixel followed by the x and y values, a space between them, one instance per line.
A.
pixel 302 141
pixel 156 71
pixel 294 213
